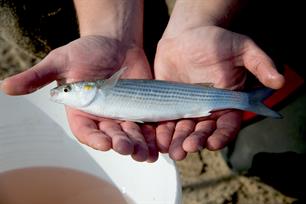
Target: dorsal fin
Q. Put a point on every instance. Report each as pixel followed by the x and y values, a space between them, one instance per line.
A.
pixel 112 81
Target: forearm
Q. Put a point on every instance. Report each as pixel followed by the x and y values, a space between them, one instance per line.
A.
pixel 117 19
pixel 194 13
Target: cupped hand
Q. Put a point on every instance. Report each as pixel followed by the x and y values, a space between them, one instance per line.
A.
pixel 213 55
pixel 90 58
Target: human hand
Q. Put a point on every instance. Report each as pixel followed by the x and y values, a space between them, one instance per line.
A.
pixel 90 58
pixel 208 54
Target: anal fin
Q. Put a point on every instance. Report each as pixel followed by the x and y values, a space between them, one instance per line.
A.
pixel 210 85
pixel 197 115
pixel 130 119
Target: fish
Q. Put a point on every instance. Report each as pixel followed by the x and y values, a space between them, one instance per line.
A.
pixel 141 100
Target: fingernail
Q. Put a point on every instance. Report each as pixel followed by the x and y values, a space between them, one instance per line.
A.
pixel 153 153
pixel 140 153
pixel 101 147
pixel 123 146
pixel 277 80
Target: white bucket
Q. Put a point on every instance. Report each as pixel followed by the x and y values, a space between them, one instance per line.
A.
pixel 34 133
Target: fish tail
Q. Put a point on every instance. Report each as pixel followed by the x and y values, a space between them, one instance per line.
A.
pixel 256 106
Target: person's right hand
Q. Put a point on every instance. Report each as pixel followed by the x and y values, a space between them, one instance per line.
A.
pixel 209 54
pixel 90 58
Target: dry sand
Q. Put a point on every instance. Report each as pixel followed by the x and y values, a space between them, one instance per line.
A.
pixel 206 178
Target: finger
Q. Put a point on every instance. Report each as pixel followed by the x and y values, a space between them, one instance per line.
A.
pixel 87 132
pixel 39 75
pixel 121 143
pixel 133 131
pixel 228 126
pixel 148 132
pixel 183 128
pixel 196 141
pixel 261 65
pixel 164 133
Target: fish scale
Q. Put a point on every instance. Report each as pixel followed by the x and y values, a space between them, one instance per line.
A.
pixel 166 91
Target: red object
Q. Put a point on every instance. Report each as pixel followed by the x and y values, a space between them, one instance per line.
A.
pixel 293 82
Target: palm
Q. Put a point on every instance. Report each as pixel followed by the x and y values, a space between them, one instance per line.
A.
pixel 206 55
pixel 96 58
pixel 203 55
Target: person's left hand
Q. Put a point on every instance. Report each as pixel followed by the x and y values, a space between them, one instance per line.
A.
pixel 208 54
pixel 91 58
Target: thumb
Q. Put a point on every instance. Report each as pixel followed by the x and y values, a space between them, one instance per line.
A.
pixel 34 78
pixel 261 65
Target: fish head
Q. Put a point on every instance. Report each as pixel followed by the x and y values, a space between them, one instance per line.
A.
pixel 78 94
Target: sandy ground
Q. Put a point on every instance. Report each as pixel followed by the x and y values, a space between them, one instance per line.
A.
pixel 206 178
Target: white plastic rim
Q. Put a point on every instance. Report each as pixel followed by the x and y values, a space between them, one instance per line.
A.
pixel 34 132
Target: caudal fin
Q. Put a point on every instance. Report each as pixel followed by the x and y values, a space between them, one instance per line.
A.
pixel 256 106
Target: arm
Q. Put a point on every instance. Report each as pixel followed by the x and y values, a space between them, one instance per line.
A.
pixel 194 49
pixel 117 19
pixel 199 19
pixel 111 37
pixel 122 21
pixel 195 13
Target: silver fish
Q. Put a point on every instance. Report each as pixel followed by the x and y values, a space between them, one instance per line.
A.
pixel 153 100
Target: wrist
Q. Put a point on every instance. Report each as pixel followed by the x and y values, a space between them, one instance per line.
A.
pixel 116 19
pixel 198 13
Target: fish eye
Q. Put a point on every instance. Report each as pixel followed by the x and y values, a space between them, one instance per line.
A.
pixel 67 89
